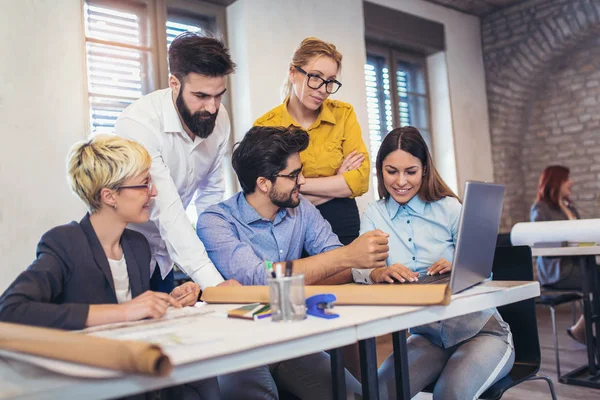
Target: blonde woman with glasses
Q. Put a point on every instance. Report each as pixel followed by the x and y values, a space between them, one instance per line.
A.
pixel 95 271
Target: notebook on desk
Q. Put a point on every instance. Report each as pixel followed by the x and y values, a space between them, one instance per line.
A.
pixel 477 233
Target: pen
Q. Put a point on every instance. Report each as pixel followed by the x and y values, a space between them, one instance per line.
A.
pixel 278 273
pixel 288 268
pixel 269 266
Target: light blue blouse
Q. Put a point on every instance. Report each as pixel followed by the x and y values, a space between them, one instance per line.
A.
pixel 422 233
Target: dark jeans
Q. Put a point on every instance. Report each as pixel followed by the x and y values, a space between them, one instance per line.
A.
pixel 157 284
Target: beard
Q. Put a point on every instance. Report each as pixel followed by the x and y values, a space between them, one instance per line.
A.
pixel 201 123
pixel 284 200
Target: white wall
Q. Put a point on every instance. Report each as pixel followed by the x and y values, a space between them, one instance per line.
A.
pixel 42 113
pixel 263 35
pixel 466 83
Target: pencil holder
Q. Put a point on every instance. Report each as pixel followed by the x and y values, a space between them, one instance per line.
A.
pixel 286 296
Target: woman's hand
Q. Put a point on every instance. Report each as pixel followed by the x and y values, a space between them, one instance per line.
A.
pixel 396 272
pixel 186 294
pixel 351 161
pixel 148 305
pixel 440 267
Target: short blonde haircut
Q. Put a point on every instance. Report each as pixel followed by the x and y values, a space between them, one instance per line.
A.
pixel 104 161
pixel 308 49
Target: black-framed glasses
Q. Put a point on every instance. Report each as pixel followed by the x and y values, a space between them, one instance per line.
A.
pixel 294 175
pixel 315 82
pixel 148 186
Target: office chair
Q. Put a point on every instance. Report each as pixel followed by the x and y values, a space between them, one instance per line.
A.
pixel 551 298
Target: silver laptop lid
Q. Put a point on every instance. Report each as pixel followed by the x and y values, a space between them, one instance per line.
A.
pixel 477 234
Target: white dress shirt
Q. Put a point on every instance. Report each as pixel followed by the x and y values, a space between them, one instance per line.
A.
pixel 118 268
pixel 182 170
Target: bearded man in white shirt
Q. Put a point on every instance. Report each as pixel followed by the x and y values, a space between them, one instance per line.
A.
pixel 186 131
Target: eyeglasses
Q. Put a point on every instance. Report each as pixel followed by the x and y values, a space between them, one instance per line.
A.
pixel 149 186
pixel 315 82
pixel 294 175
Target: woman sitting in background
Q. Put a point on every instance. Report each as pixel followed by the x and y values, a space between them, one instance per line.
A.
pixel 463 355
pixel 553 203
pixel 96 271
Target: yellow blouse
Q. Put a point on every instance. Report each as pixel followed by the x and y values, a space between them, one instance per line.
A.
pixel 333 136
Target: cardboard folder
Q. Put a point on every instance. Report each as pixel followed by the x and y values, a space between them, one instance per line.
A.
pixel 122 355
pixel 350 294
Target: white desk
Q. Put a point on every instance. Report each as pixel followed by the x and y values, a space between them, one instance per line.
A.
pixel 565 251
pixel 588 375
pixel 234 345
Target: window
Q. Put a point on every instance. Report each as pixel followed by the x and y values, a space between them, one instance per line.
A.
pixel 118 60
pixel 396 95
pixel 123 60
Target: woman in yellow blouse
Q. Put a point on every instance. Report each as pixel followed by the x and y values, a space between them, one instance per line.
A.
pixel 336 162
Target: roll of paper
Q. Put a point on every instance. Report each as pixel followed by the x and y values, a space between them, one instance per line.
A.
pixel 122 355
pixel 536 234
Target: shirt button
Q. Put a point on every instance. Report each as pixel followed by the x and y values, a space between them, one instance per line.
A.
pixel 410 239
pixel 281 251
pixel 408 222
pixel 413 258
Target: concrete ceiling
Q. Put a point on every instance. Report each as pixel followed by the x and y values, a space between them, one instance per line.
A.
pixel 477 7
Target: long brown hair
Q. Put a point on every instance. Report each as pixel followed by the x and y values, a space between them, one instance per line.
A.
pixel 408 139
pixel 550 182
pixel 309 48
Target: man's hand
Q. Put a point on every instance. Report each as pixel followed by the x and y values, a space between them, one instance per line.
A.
pixel 440 267
pixel 396 272
pixel 186 294
pixel 148 305
pixel 369 250
pixel 230 282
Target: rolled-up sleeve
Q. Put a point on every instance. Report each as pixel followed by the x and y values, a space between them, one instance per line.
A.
pixel 357 179
pixel 233 258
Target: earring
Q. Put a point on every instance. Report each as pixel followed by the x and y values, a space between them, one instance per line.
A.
pixel 115 206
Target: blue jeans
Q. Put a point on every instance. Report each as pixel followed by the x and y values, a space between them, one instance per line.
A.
pixel 461 372
pixel 307 377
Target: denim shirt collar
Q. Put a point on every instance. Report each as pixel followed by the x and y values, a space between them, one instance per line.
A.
pixel 249 215
pixel 416 205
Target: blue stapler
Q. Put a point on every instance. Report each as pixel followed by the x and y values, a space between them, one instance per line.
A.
pixel 319 304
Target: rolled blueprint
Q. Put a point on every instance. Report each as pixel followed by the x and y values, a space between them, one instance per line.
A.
pixel 571 231
pixel 122 355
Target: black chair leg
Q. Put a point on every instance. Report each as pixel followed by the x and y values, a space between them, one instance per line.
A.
pixel 555 334
pixel 549 381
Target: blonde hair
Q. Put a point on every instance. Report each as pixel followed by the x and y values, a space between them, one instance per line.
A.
pixel 309 48
pixel 104 161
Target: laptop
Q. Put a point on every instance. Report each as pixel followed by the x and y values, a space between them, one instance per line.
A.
pixel 477 234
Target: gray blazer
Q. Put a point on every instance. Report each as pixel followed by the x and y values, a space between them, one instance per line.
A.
pixel 553 270
pixel 71 272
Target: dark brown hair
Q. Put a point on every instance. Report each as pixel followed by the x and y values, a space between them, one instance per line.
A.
pixel 264 151
pixel 410 140
pixel 195 52
pixel 550 182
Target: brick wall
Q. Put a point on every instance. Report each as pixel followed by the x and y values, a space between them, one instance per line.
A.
pixel 542 74
pixel 564 127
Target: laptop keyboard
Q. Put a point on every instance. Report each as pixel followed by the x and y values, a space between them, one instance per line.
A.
pixel 439 279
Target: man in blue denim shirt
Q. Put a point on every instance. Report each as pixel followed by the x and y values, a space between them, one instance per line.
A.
pixel 271 221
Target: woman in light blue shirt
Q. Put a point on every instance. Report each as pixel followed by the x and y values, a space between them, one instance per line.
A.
pixel 466 354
